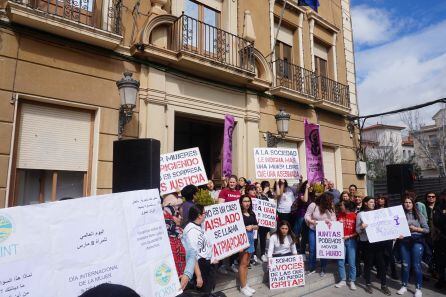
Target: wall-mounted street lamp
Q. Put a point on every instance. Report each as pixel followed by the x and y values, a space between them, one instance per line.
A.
pixel 128 90
pixel 282 122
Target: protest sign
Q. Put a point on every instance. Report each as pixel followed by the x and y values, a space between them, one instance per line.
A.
pixel 225 229
pixel 313 148
pixel 65 248
pixel 275 163
pixel 386 223
pixel 265 211
pixel 227 145
pixel 330 240
pixel 181 168
pixel 286 272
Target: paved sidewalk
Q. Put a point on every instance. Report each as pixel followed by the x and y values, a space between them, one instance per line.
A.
pixel 428 290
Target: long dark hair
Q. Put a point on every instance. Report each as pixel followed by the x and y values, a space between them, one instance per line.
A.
pixel 265 184
pixel 250 211
pixel 290 232
pixel 325 202
pixel 303 187
pixel 386 201
pixel 414 207
pixel 276 184
pixel 364 203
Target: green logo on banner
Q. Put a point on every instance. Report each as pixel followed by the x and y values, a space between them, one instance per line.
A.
pixel 5 228
pixel 163 274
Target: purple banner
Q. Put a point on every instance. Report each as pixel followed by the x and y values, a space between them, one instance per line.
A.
pixel 313 145
pixel 227 145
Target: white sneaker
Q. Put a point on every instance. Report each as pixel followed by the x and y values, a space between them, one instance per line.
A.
pixel 256 259
pixel 245 291
pixel 222 269
pixel 352 286
pixel 402 290
pixel 250 289
pixel 418 293
pixel 310 272
pixel 264 258
pixel 341 284
pixel 234 268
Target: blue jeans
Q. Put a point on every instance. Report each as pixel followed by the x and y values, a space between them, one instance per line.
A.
pixel 350 256
pixel 312 260
pixel 411 253
pixel 297 229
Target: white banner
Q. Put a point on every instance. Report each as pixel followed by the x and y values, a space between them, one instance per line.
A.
pixel 181 168
pixel 265 211
pixel 65 248
pixel 275 163
pixel 386 223
pixel 225 229
pixel 286 272
pixel 330 240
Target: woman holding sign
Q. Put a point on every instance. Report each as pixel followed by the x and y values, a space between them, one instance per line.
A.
pixel 347 216
pixel 282 242
pixel 285 196
pixel 412 247
pixel 372 251
pixel 320 211
pixel 249 218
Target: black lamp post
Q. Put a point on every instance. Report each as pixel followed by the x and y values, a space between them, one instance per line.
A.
pixel 128 90
pixel 282 122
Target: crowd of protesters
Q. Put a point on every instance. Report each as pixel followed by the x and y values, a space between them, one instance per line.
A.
pixel 300 207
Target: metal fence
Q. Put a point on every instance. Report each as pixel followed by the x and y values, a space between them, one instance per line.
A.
pixel 296 78
pixel 196 37
pixel 98 14
pixel 421 187
pixel 307 83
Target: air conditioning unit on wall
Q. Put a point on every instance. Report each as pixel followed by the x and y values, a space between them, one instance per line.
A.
pixel 361 168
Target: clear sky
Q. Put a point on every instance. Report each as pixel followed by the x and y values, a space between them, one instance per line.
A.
pixel 400 48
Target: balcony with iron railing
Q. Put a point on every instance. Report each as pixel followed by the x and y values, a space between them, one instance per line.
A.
pixel 305 86
pixel 199 48
pixel 96 22
pixel 214 44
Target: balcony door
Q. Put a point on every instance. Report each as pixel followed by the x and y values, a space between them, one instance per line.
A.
pixel 201 32
pixel 321 68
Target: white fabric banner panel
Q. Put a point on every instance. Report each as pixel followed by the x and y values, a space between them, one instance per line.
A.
pixel 265 211
pixel 65 248
pixel 275 163
pixel 181 168
pixel 225 229
pixel 286 272
pixel 330 240
pixel 385 224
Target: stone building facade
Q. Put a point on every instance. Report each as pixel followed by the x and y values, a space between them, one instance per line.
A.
pixel 196 60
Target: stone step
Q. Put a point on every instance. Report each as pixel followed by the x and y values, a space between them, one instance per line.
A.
pixel 258 280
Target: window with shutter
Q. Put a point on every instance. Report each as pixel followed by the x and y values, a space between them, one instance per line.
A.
pixel 52 153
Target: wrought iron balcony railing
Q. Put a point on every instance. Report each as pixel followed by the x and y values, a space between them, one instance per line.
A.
pixel 333 91
pixel 295 78
pixel 196 37
pixel 98 14
pixel 307 83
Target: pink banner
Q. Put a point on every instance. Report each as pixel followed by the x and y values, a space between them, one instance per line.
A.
pixel 227 145
pixel 313 145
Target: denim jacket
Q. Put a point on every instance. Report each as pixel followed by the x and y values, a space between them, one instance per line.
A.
pixel 191 256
